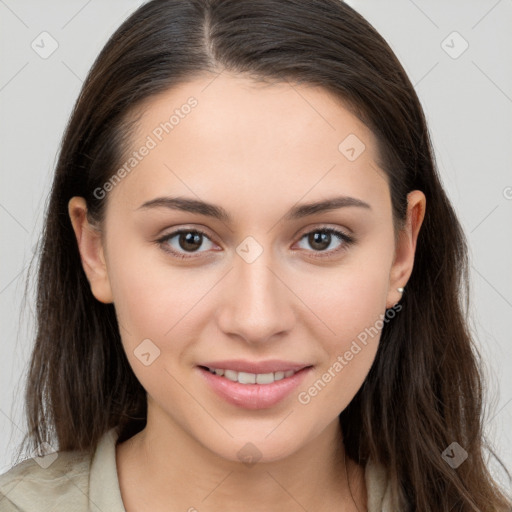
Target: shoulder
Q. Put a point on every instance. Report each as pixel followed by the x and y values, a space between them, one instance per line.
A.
pixel 41 483
pixel 378 487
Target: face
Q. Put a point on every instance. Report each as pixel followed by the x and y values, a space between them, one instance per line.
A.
pixel 287 301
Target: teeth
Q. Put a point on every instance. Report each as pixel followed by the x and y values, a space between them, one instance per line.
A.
pixel 252 378
pixel 246 378
pixel 265 378
pixel 231 375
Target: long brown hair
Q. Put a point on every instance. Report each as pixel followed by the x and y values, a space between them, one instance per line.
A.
pixel 425 388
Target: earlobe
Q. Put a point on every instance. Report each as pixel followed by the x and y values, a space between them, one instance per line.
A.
pixel 91 250
pixel 406 247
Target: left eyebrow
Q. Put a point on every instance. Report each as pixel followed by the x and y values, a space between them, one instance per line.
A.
pixel 217 212
pixel 304 210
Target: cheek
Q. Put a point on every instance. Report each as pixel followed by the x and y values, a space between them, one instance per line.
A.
pixel 355 318
pixel 345 299
pixel 150 297
pixel 351 307
pixel 153 306
pixel 149 294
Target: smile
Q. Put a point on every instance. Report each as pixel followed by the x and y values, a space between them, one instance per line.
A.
pixel 252 378
pixel 256 389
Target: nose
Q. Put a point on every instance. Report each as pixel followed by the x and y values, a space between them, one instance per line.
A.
pixel 257 305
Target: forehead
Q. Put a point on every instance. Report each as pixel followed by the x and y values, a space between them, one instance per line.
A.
pixel 236 139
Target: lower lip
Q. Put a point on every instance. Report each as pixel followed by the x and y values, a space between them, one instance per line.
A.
pixel 253 396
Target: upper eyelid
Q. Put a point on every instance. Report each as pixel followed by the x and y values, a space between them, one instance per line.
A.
pixel 345 231
pixel 180 230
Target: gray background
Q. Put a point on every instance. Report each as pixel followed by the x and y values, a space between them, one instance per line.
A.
pixel 467 97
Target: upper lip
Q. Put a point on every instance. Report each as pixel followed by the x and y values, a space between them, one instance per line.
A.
pixel 270 366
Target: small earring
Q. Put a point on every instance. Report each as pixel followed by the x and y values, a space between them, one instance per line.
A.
pixel 400 290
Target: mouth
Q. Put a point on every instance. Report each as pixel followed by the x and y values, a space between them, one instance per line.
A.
pixel 257 389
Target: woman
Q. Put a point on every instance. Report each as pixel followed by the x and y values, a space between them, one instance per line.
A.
pixel 250 283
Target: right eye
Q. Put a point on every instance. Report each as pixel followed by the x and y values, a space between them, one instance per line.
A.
pixel 183 241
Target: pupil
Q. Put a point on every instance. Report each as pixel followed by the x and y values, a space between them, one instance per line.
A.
pixel 188 240
pixel 318 238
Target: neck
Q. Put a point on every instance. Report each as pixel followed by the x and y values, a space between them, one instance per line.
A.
pixel 173 468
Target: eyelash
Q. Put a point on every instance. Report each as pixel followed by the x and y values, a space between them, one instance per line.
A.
pixel 346 239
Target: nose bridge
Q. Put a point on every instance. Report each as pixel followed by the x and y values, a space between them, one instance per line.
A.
pixel 257 305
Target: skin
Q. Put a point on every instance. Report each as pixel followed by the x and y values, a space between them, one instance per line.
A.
pixel 256 151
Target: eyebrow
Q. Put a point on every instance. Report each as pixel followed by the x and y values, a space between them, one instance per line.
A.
pixel 217 212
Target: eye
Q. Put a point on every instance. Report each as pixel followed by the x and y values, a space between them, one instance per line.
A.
pixel 187 240
pixel 184 241
pixel 323 238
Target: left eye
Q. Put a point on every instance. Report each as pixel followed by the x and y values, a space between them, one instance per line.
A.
pixel 320 240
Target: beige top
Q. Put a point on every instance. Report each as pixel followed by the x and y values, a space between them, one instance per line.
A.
pixel 75 482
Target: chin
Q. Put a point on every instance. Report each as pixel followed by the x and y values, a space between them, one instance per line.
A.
pixel 264 444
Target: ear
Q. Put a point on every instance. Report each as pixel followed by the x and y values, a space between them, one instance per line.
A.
pixel 406 246
pixel 91 250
